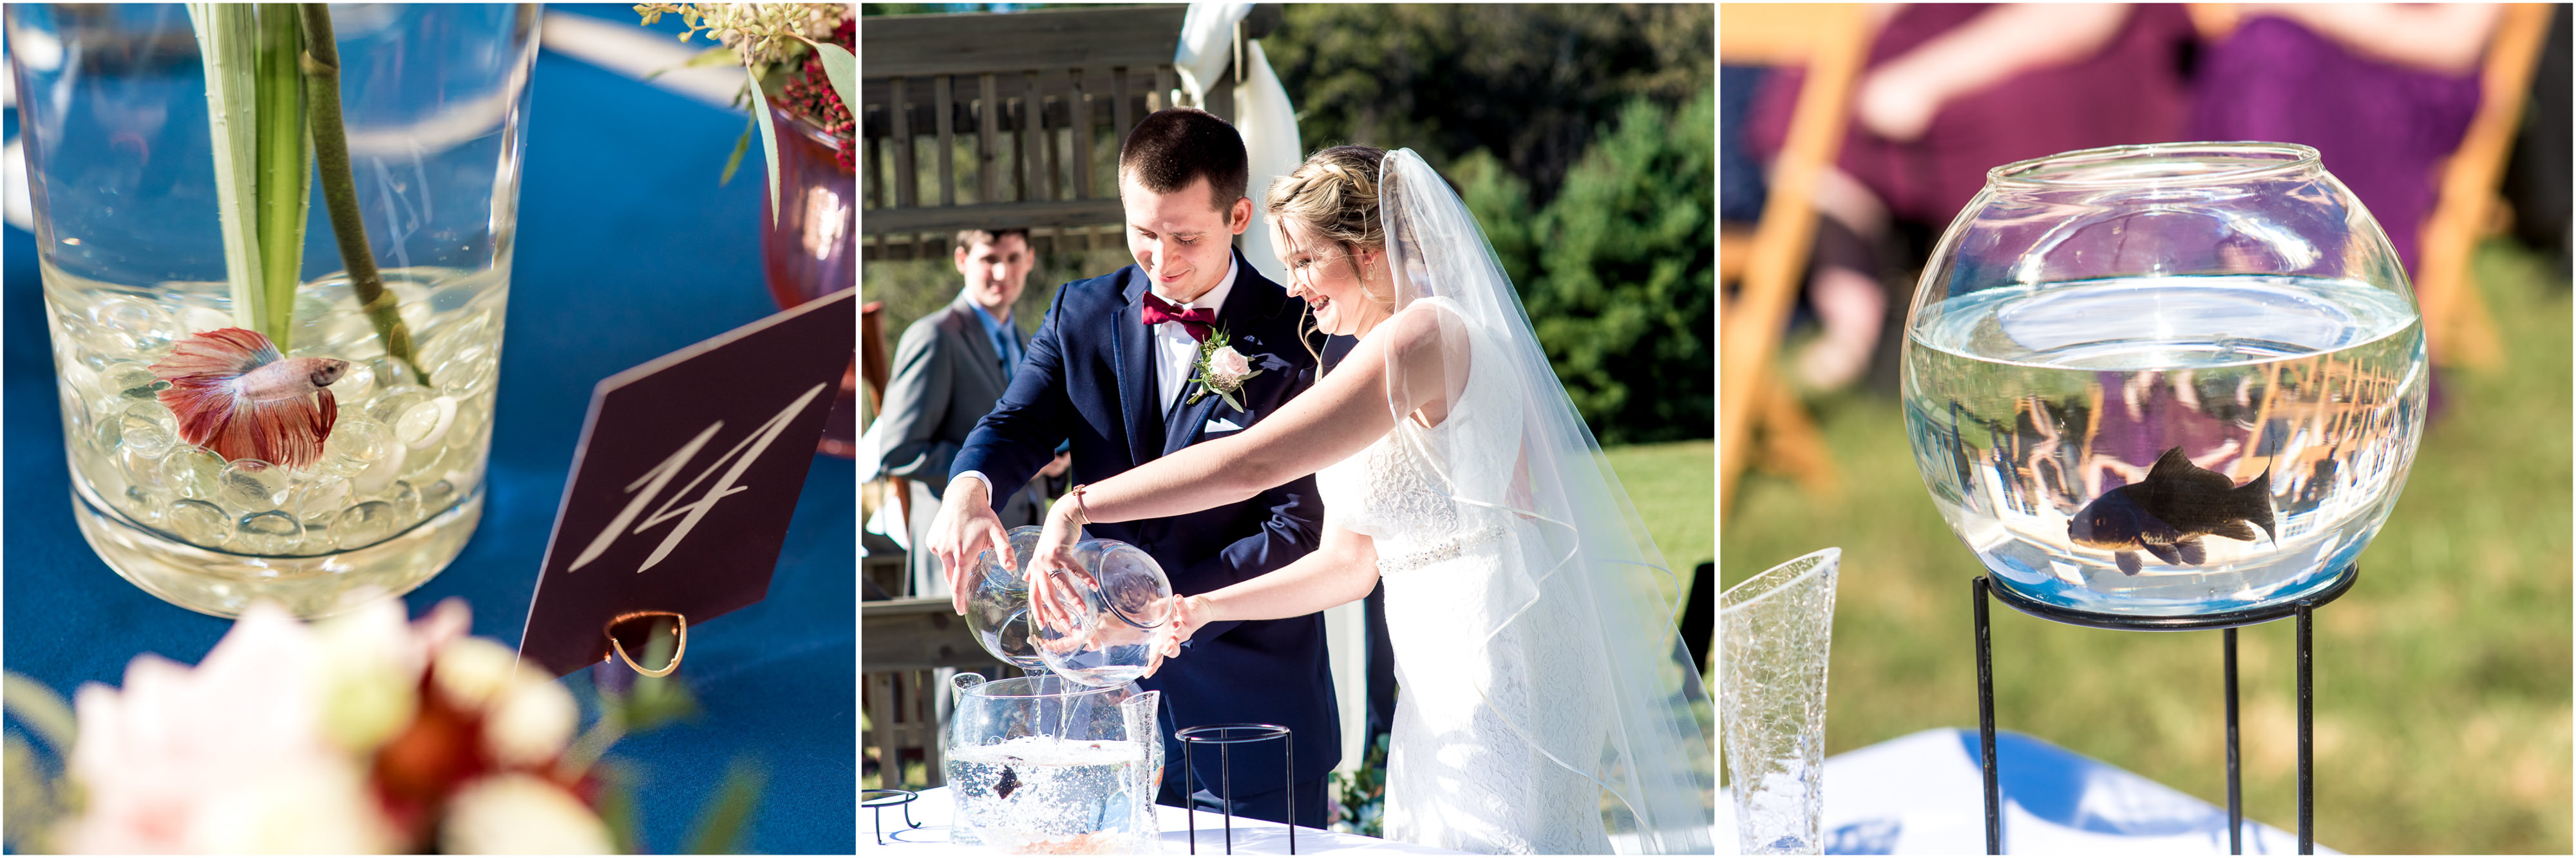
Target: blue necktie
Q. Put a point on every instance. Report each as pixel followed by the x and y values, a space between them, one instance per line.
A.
pixel 1008 347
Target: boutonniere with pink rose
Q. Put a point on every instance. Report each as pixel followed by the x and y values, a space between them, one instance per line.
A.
pixel 1222 370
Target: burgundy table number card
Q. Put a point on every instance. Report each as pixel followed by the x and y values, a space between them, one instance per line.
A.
pixel 687 474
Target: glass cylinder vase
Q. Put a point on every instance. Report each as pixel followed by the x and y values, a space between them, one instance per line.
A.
pixel 122 160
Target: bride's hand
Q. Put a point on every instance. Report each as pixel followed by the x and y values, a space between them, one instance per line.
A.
pixel 1186 616
pixel 1049 565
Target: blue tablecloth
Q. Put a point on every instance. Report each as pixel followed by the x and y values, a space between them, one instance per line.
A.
pixel 1924 794
pixel 626 250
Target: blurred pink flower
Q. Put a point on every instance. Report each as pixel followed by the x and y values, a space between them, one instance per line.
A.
pixel 264 746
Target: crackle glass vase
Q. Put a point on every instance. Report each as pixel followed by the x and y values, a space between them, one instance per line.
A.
pixel 122 166
pixel 2179 380
pixel 1775 639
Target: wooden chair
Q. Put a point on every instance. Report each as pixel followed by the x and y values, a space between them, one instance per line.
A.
pixel 1831 41
pixel 2458 328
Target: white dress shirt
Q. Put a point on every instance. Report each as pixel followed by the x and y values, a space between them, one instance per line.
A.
pixel 1176 353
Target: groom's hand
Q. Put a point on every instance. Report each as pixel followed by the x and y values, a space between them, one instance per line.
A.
pixel 964 528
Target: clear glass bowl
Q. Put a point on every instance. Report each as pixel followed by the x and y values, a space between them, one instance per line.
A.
pixel 998 611
pixel 2171 380
pixel 1043 765
pixel 1119 596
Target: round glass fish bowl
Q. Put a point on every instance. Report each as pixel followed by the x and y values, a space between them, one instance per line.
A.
pixel 2165 381
pixel 1119 596
pixel 997 613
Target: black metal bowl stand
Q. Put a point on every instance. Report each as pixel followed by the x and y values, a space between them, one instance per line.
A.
pixel 1225 737
pixel 2228 622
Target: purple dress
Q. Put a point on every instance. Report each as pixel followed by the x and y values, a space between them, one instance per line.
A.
pixel 2383 129
pixel 2131 91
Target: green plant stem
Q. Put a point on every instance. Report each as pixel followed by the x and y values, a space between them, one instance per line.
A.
pixel 228 41
pixel 282 187
pixel 321 67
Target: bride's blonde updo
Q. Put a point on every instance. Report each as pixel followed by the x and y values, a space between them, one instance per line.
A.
pixel 1335 195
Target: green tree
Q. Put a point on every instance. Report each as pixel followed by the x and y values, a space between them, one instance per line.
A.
pixel 1618 272
pixel 1529 81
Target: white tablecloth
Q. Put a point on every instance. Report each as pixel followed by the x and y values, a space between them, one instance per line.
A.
pixel 1924 794
pixel 1251 836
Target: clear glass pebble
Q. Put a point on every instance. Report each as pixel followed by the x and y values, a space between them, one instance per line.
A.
pixel 320 496
pixel 195 472
pixel 131 380
pixel 471 372
pixel 363 524
pixel 141 470
pixel 353 445
pixel 148 428
pixel 271 532
pixel 437 496
pixel 380 474
pixel 406 500
pixel 425 424
pixel 146 505
pixel 251 485
pixel 135 325
pixel 473 421
pixel 199 522
pixel 421 466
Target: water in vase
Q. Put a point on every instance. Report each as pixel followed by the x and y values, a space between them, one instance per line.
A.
pixel 1045 795
pixel 2170 445
pixel 392 498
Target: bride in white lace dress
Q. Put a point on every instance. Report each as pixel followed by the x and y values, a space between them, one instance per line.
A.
pixel 1545 705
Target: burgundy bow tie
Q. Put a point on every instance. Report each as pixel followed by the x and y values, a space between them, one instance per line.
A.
pixel 1199 322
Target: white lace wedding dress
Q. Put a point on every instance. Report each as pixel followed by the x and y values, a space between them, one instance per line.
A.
pixel 1460 772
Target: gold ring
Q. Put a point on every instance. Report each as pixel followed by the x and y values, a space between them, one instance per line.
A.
pixel 620 646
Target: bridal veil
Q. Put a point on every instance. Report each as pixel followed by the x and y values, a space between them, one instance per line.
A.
pixel 1645 741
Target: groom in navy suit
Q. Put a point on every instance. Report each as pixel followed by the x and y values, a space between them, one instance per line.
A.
pixel 1110 371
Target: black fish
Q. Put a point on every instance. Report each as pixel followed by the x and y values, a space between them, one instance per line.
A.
pixel 2167 513
pixel 1008 783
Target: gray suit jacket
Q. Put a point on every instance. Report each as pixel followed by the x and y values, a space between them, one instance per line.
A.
pixel 946 376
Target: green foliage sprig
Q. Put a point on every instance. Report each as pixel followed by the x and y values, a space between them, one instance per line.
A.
pixel 769 41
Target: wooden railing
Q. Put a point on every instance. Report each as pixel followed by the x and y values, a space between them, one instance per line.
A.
pixel 1028 93
pixel 907 641
pixel 1012 120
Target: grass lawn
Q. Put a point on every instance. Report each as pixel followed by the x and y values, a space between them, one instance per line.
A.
pixel 2442 678
pixel 1675 489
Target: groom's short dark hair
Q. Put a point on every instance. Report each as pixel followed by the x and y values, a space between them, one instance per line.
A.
pixel 1180 145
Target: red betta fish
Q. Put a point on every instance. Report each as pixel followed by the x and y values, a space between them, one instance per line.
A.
pixel 236 395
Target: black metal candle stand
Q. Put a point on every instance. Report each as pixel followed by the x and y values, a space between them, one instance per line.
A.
pixel 1225 737
pixel 2227 622
pixel 877 800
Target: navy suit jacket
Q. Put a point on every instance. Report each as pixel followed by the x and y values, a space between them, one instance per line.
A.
pixel 1088 378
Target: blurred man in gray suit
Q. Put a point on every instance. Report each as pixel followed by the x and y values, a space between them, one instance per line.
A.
pixel 950 368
